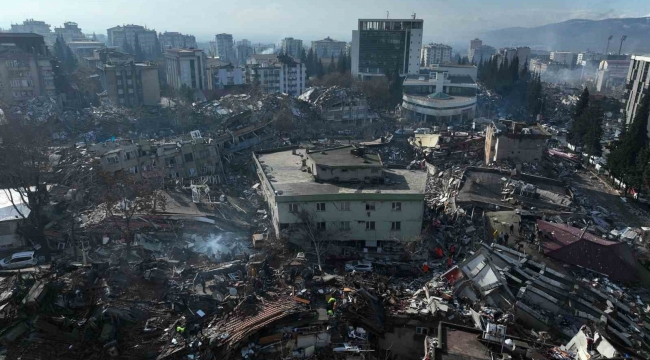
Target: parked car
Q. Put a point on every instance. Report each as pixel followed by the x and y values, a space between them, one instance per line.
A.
pixel 19 260
pixel 359 266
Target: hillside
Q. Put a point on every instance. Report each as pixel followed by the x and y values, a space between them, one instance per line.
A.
pixel 577 35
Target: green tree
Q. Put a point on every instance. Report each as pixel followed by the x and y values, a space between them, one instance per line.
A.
pixel 309 64
pixel 332 65
pixel 126 47
pixel 320 70
pixel 579 125
pixel 593 118
pixel 341 63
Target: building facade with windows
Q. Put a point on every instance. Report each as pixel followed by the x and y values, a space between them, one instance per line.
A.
pixel 36 27
pixel 146 37
pixel 386 46
pixel 435 54
pixel 563 57
pixel 222 75
pixel 276 73
pixel 345 191
pixel 442 94
pixel 186 67
pixel 70 32
pixel 638 83
pixel 176 40
pixel 224 45
pixel 25 67
pixel 292 47
pixel 328 47
pixel 129 84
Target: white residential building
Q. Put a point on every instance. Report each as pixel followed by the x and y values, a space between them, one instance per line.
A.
pixel 381 46
pixel 292 47
pixel 345 191
pixel 328 47
pixel 70 32
pixel 223 74
pixel 186 67
pixel 563 57
pixel 176 40
pixel 274 73
pixel 146 37
pixel 225 50
pixel 36 27
pixel 435 54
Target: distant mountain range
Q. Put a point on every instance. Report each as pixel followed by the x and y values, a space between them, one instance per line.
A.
pixel 577 35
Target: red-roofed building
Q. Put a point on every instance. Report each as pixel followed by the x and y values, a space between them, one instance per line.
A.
pixel 570 245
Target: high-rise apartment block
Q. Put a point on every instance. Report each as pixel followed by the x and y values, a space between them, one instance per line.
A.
pixel 638 85
pixel 328 47
pixel 243 50
pixel 25 67
pixel 126 82
pixel 146 37
pixel 522 54
pixel 186 67
pixel 292 47
pixel 36 27
pixel 225 49
pixel 435 54
pixel 276 73
pixel 385 46
pixel 176 40
pixel 70 32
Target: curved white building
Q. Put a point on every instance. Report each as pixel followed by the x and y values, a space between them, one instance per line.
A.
pixel 441 94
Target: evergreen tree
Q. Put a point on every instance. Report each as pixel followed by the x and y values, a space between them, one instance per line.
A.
pixel 94 38
pixel 593 118
pixel 303 56
pixel 514 70
pixel 309 63
pixel 341 64
pixel 71 62
pixel 332 65
pixel 139 56
pixel 579 125
pixel 157 49
pixel 320 70
pixel 623 160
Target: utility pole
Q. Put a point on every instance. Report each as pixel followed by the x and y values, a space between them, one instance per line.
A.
pixel 621 46
pixel 608 40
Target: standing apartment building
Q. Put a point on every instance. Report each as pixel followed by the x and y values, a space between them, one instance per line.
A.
pixel 176 40
pixel 146 37
pixel 638 83
pixel 125 82
pixel 70 32
pixel 186 67
pixel 25 67
pixel 276 73
pixel 435 54
pixel 292 47
pixel 328 47
pixel 243 50
pixel 564 57
pixel 381 46
pixel 36 27
pixel 521 142
pixel 225 50
pixel 344 190
pixel 478 53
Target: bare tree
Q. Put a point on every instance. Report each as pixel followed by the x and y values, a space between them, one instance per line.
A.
pixel 318 234
pixel 25 168
pixel 125 197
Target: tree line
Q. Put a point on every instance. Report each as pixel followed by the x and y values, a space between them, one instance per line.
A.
pixel 521 91
pixel 315 67
pixel 586 129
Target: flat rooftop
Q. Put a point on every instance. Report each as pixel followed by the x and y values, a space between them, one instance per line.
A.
pixel 283 170
pixel 463 345
pixel 341 157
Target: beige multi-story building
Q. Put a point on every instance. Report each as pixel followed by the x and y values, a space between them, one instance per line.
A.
pixel 25 67
pixel 70 32
pixel 130 84
pixel 186 67
pixel 146 37
pixel 328 47
pixel 181 158
pixel 36 27
pixel 176 40
pixel 435 54
pixel 344 191
pixel 564 57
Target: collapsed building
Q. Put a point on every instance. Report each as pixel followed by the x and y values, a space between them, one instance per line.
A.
pixel 518 141
pixel 339 104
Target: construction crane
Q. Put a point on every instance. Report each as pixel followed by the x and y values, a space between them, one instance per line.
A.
pixel 621 46
pixel 608 40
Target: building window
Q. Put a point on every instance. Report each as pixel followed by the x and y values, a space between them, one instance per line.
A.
pixel 345 206
pixel 170 162
pixel 344 226
pixel 396 206
pixel 370 206
pixel 133 170
pixel 189 157
pixel 421 330
pixel 320 206
pixel 370 225
pixel 396 226
pixel 112 160
pixel 320 226
pixel 293 208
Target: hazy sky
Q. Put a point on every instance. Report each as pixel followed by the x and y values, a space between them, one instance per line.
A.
pixel 269 21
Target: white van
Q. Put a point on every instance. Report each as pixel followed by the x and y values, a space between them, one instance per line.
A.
pixel 19 260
